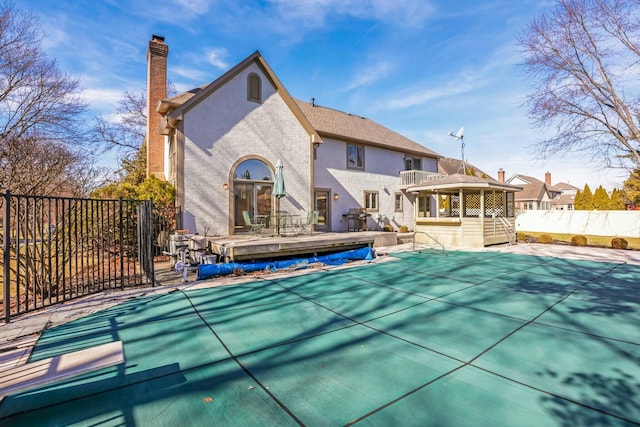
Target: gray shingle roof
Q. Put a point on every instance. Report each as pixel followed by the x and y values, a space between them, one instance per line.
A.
pixel 457 181
pixel 449 166
pixel 532 191
pixel 332 123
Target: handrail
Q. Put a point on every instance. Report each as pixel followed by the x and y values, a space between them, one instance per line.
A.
pixel 437 243
pixel 507 228
pixel 413 177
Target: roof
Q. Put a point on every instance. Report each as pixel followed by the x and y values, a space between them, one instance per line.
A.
pixel 457 181
pixel 450 166
pixel 564 199
pixel 563 187
pixel 534 190
pixel 320 121
pixel 336 124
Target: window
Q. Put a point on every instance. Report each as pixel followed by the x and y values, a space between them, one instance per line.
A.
pixel 397 202
pixel 411 163
pixel 252 188
pixel 254 88
pixel 423 206
pixel 172 160
pixel 371 200
pixel 355 156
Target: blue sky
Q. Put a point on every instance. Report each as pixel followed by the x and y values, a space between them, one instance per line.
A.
pixel 420 67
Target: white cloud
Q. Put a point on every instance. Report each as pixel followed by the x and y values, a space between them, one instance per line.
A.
pixel 217 57
pixel 426 92
pixel 190 73
pixel 369 74
pixel 315 13
pixel 198 7
pixel 102 99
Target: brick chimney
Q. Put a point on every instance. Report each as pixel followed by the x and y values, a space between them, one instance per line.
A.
pixel 547 178
pixel 156 91
pixel 500 175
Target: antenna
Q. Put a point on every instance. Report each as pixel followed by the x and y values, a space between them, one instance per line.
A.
pixel 460 136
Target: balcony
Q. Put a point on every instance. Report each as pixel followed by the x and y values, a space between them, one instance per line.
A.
pixel 413 177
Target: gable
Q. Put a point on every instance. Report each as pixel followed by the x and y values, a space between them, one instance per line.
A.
pixel 175 108
pixel 522 180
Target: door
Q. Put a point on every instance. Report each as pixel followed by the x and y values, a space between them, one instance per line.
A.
pixel 322 205
pixel 254 198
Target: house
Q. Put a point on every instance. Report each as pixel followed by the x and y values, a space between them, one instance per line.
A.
pixel 219 144
pixel 564 196
pixel 541 195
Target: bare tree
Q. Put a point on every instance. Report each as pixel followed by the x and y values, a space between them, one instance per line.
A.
pixel 36 98
pixel 31 166
pixel 126 130
pixel 583 57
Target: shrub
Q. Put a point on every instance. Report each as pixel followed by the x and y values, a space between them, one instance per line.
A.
pixel 578 241
pixel 522 237
pixel 388 227
pixel 545 238
pixel 403 229
pixel 619 243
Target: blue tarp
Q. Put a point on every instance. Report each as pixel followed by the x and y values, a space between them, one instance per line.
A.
pixel 207 271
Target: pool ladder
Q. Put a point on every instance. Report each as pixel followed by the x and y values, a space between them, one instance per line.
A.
pixel 435 243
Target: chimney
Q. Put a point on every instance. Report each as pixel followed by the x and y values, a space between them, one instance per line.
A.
pixel 156 91
pixel 501 175
pixel 547 178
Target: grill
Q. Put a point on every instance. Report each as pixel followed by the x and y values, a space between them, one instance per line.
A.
pixel 357 219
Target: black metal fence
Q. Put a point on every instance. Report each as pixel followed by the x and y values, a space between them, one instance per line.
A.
pixel 55 248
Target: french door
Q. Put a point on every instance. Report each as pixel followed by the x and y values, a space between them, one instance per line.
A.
pixel 252 197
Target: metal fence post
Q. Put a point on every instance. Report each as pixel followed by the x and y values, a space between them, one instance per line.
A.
pixel 121 238
pixel 150 248
pixel 6 255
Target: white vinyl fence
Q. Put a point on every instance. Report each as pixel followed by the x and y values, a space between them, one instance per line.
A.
pixel 597 223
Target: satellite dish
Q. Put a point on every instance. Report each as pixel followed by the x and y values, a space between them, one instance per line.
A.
pixel 459 134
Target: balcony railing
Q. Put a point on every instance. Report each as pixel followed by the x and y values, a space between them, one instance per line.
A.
pixel 413 177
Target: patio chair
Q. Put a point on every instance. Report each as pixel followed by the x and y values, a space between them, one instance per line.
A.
pixel 306 227
pixel 254 227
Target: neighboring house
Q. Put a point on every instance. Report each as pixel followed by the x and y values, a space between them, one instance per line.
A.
pixel 220 142
pixel 564 196
pixel 541 195
pixel 535 194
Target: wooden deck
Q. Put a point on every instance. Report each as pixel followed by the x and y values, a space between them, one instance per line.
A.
pixel 249 248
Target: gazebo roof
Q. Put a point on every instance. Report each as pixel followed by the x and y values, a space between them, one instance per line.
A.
pixel 459 181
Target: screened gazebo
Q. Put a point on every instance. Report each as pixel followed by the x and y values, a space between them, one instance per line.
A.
pixel 464 211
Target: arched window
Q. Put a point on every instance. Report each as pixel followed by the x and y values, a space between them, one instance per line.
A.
pixel 252 188
pixel 254 88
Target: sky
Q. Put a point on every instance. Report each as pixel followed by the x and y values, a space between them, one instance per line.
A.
pixel 422 68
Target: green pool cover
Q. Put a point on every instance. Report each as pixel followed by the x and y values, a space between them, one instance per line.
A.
pixel 459 338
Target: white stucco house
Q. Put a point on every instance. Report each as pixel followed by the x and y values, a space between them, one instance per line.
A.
pixel 219 144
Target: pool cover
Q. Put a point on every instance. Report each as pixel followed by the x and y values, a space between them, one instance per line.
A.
pixel 458 338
